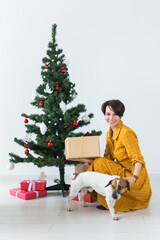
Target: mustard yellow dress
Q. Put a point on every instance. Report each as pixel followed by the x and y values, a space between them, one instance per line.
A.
pixel 121 153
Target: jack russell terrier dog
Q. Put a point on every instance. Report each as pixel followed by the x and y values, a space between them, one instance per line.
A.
pixel 112 187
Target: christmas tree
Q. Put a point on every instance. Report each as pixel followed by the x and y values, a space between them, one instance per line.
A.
pixel 55 122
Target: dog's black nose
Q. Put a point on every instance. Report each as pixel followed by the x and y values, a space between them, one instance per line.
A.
pixel 114 196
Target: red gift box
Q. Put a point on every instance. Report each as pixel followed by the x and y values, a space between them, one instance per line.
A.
pixel 87 197
pixel 35 185
pixel 26 195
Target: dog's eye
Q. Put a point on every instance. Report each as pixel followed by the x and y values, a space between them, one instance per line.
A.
pixel 113 186
pixel 120 187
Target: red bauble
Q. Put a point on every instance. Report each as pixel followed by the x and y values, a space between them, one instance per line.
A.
pixel 26 151
pixel 41 104
pixel 45 64
pixel 63 70
pixel 25 120
pixel 50 144
pixel 75 123
pixel 57 87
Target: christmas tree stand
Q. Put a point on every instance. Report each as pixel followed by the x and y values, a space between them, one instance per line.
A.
pixel 57 187
pixel 61 183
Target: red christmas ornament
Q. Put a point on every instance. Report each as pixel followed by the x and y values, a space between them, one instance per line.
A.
pixel 50 144
pixel 63 70
pixel 41 103
pixel 45 64
pixel 26 146
pixel 75 123
pixel 26 151
pixel 57 87
pixel 25 120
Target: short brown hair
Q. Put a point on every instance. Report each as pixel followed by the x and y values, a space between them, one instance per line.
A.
pixel 117 106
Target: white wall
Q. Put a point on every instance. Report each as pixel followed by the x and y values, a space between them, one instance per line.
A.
pixel 113 48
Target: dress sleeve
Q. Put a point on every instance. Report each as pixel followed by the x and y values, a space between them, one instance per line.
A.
pixel 131 145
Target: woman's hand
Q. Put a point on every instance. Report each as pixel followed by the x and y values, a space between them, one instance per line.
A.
pixel 131 180
pixel 137 170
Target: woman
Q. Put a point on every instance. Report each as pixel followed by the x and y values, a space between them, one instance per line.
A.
pixel 123 157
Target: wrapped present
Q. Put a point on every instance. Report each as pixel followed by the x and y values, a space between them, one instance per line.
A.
pixel 35 185
pixel 82 147
pixel 87 197
pixel 26 195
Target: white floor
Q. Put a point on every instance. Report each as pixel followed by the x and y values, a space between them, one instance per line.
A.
pixel 46 218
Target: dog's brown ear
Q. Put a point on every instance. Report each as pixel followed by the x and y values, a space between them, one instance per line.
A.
pixel 109 183
pixel 128 185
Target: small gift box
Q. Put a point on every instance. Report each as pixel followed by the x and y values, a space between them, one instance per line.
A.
pixel 87 197
pixel 35 185
pixel 26 195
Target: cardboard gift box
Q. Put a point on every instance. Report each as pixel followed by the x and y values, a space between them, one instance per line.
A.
pixel 87 198
pixel 26 195
pixel 82 167
pixel 36 185
pixel 82 147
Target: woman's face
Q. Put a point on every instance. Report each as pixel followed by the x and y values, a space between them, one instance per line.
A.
pixel 111 118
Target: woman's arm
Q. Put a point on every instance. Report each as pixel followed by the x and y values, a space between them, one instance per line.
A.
pixel 131 145
pixel 137 169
